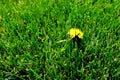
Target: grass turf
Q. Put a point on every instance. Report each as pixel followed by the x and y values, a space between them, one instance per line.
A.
pixel 31 29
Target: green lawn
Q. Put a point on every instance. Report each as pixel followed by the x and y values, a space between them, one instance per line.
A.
pixel 31 32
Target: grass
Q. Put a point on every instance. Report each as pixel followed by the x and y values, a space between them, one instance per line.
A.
pixel 31 29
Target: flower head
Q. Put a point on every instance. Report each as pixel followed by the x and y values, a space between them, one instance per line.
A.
pixel 75 32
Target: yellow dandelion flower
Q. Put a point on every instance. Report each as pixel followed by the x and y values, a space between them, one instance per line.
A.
pixel 75 32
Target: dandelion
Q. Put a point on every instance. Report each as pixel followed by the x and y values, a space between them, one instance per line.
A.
pixel 75 32
pixel 76 36
pixel 75 40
